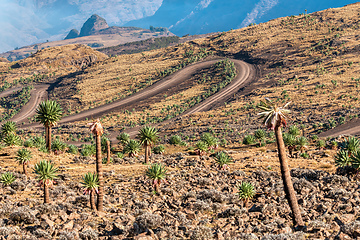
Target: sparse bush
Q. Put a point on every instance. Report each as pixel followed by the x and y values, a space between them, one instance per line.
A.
pixel 39 141
pixel 8 128
pixel 201 233
pixel 149 221
pixel 89 234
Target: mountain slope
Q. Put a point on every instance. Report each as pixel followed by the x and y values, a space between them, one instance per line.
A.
pixel 198 17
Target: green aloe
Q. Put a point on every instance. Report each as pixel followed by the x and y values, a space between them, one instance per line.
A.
pixel 8 128
pixel 46 174
pixel 201 148
pixel 91 184
pixel 342 158
pixel 148 136
pixel 7 178
pixel 223 159
pixel 23 157
pixel 157 173
pixel 12 139
pixel 124 138
pixel 49 114
pixel 132 148
pixel 246 191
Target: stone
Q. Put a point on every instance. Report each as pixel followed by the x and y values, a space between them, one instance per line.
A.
pixel 69 225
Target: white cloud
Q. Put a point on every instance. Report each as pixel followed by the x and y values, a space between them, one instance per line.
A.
pixel 259 10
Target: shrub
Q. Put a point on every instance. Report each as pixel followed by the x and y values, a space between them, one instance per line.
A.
pixel 29 143
pixel 304 155
pixel 158 149
pixel 249 139
pixel 355 160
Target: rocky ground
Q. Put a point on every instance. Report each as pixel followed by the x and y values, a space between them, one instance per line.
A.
pixel 198 202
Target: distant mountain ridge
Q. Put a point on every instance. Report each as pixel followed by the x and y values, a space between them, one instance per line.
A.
pixel 25 22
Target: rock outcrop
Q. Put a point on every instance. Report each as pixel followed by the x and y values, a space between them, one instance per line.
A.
pixel 72 34
pixel 93 25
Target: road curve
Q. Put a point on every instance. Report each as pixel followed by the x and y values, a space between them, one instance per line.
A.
pixel 38 94
pixel 245 74
pixel 350 128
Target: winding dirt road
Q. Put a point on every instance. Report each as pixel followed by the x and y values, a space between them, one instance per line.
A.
pixel 245 74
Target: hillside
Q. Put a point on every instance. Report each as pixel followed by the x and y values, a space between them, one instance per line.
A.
pixel 309 59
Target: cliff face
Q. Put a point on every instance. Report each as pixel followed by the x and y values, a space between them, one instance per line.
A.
pixel 93 25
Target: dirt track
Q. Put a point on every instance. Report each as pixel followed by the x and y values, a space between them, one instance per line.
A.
pixel 245 74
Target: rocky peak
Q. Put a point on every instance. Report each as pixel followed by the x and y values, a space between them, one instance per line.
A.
pixel 94 24
pixel 73 34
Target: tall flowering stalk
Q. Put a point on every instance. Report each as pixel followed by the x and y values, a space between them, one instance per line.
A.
pixel 275 118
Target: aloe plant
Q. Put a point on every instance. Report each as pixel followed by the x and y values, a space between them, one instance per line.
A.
pixel 23 157
pixel 157 173
pixel 260 136
pixel 148 136
pixel 246 191
pixel 12 139
pixel 158 149
pixel 97 129
pixel 7 178
pixel 91 184
pixel 124 138
pixel 49 114
pixel 223 159
pixel 8 128
pixel 201 148
pixel 132 148
pixel 46 174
